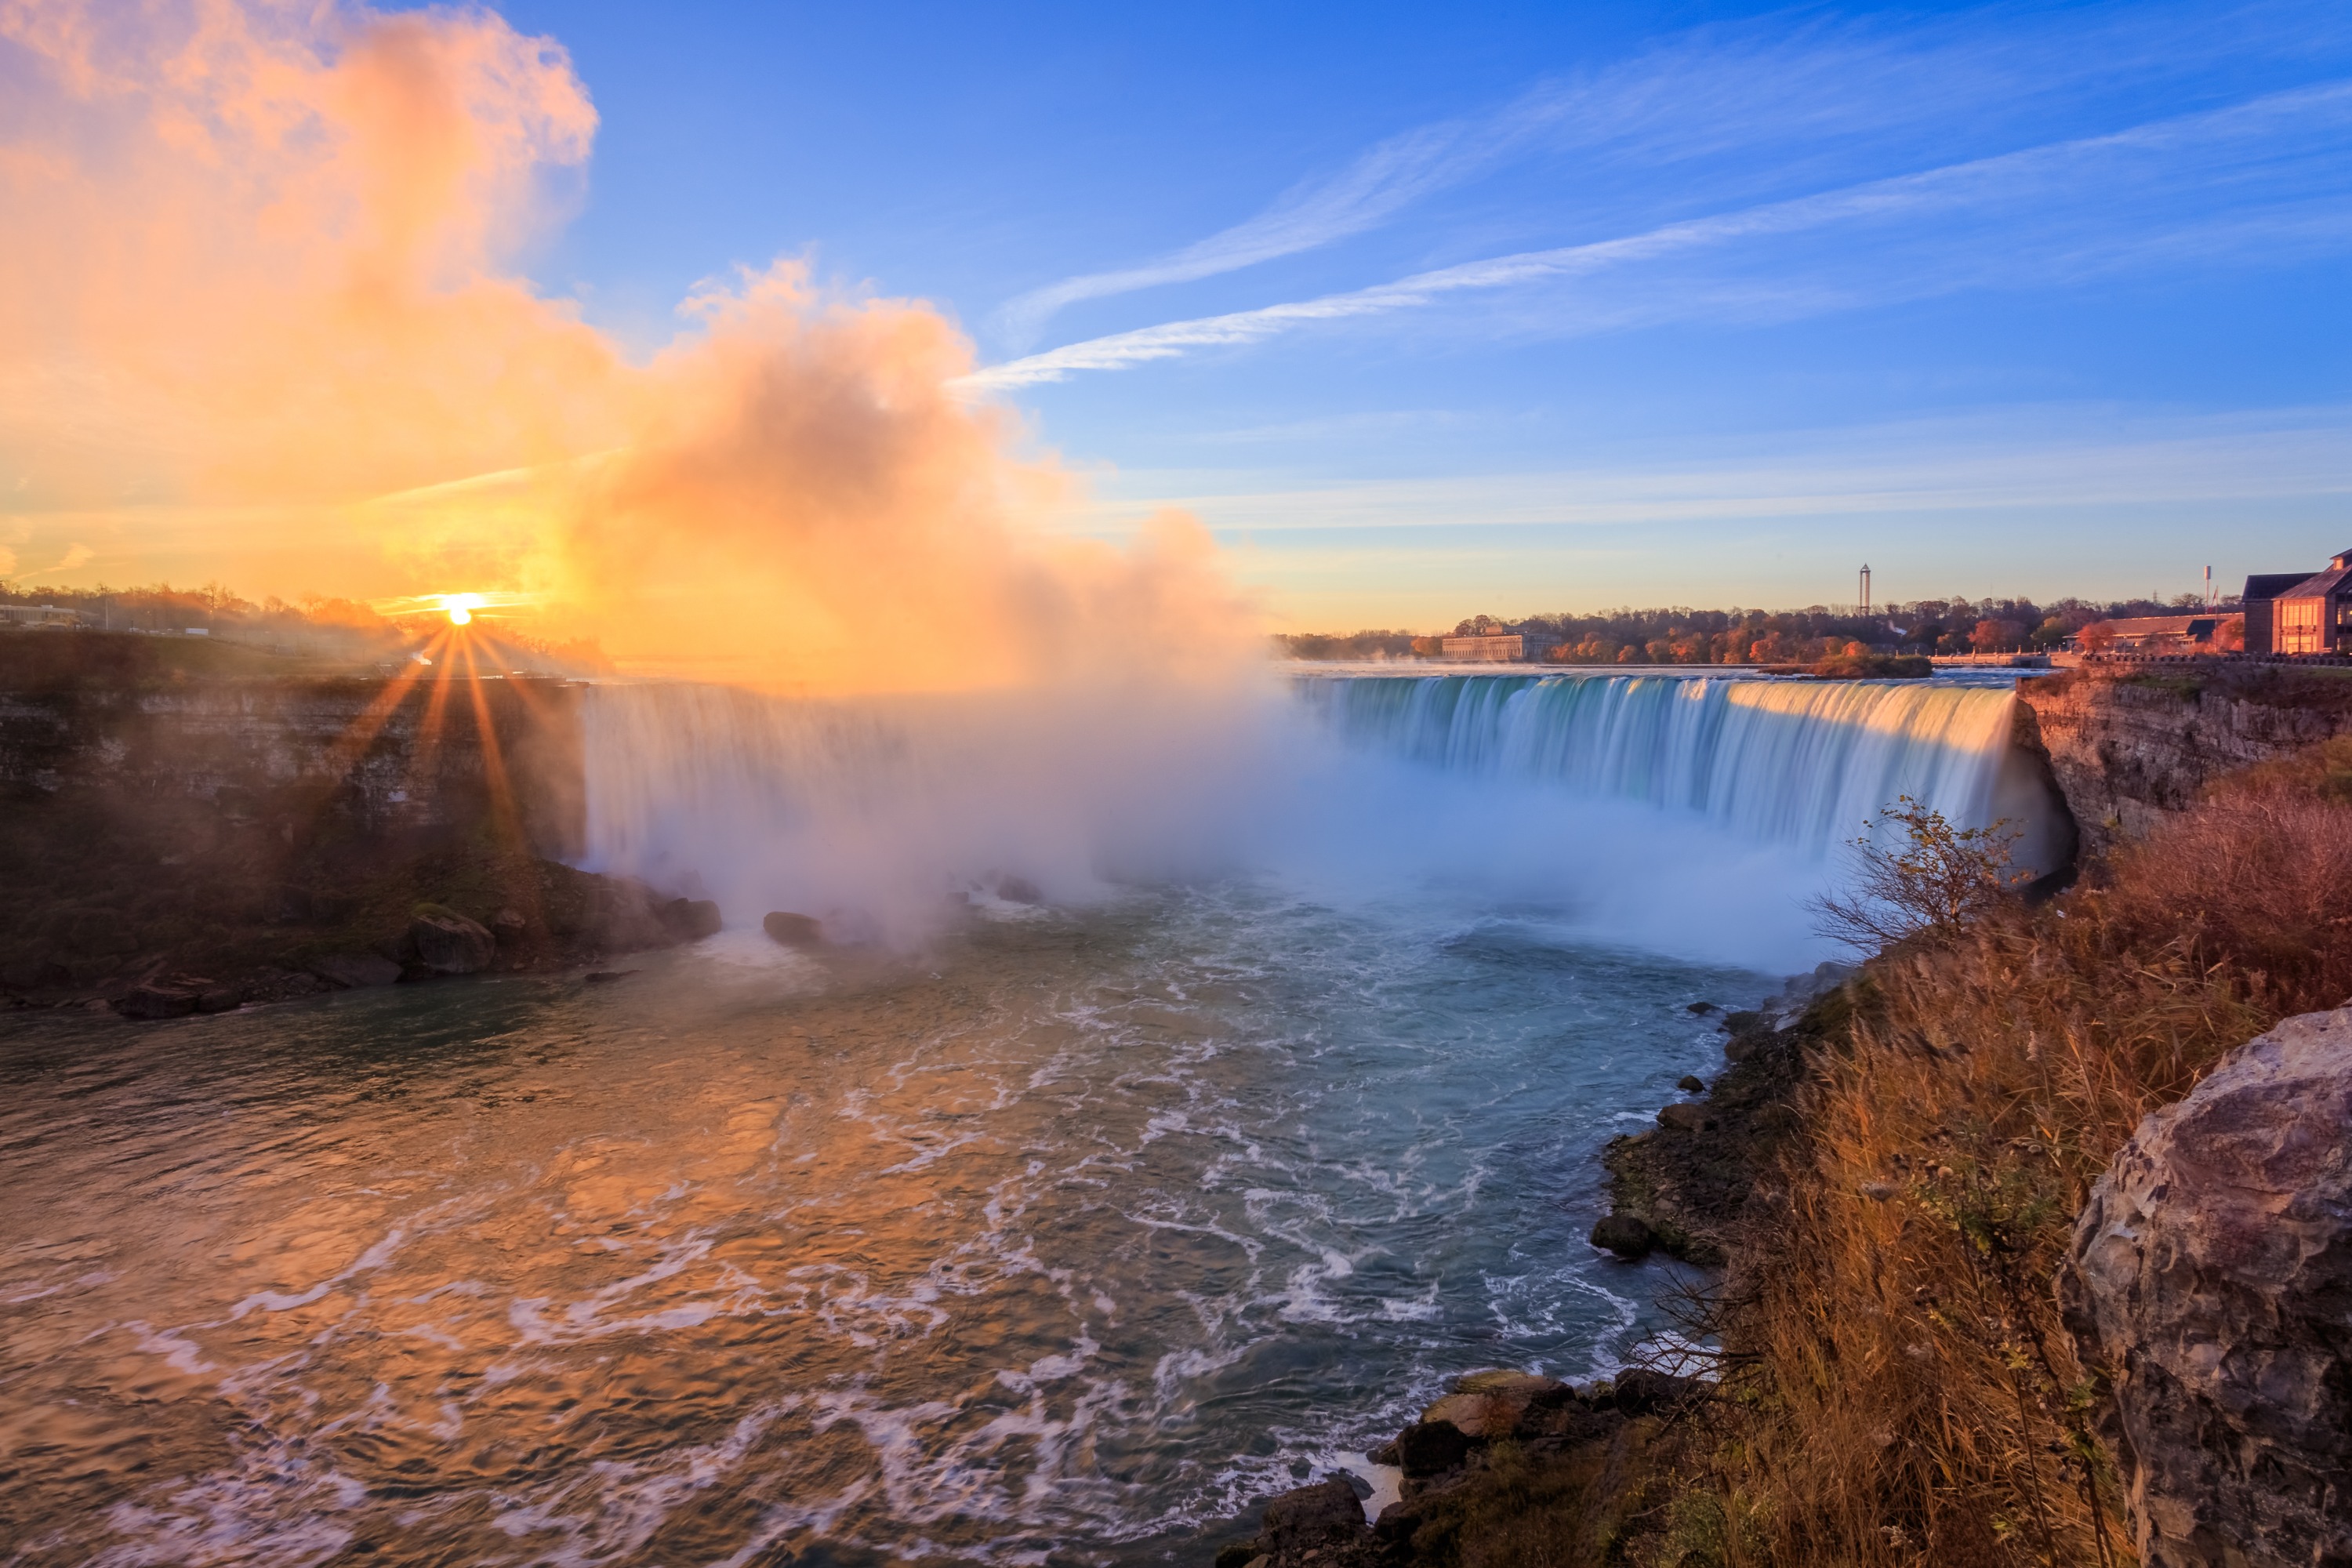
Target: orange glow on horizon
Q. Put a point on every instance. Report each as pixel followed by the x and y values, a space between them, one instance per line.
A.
pixel 273 253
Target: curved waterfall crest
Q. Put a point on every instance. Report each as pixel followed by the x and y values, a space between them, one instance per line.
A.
pixel 1802 761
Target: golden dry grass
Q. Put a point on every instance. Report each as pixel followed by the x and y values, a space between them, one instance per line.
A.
pixel 1901 1389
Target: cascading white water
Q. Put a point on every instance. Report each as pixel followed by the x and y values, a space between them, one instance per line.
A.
pixel 1802 762
pixel 878 812
pixel 1685 814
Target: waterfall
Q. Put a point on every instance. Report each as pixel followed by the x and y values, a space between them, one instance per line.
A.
pixel 1797 762
pixel 880 813
pixel 880 810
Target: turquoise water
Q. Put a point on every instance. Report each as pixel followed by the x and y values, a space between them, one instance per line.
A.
pixel 1062 1240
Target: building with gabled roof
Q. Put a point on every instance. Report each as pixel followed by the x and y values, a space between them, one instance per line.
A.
pixel 2261 590
pixel 2156 634
pixel 2314 615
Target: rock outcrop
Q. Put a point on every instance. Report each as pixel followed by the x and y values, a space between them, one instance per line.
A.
pixel 1680 1188
pixel 2129 744
pixel 790 929
pixel 447 942
pixel 2211 1279
pixel 1509 1466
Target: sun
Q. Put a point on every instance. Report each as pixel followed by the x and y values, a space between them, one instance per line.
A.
pixel 460 607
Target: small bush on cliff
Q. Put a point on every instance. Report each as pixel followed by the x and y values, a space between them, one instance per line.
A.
pixel 1900 1389
pixel 1926 878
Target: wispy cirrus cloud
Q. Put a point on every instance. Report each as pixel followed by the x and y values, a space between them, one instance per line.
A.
pixel 2270 173
pixel 1375 186
pixel 1775 100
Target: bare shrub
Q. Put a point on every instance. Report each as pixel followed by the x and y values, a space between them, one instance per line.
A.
pixel 1930 882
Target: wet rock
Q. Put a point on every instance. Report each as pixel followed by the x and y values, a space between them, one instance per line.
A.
pixel 794 930
pixel 1625 1234
pixel 1691 1083
pixel 606 976
pixel 510 928
pixel 2210 1276
pixel 1325 1514
pixel 1487 1405
pixel 273 984
pixel 1431 1448
pixel 1701 1009
pixel 1687 1116
pixel 1386 1454
pixel 1471 1414
pixel 692 919
pixel 353 971
pixel 172 998
pixel 1641 1392
pixel 1019 890
pixel 447 942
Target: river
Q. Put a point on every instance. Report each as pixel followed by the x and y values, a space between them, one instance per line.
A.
pixel 1061 1236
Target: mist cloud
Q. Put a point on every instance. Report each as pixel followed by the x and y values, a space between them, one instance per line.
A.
pixel 260 277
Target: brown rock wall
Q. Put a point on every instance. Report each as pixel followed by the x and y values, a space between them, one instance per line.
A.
pixel 2128 745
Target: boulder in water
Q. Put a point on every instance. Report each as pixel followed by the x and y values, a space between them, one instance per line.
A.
pixel 160 998
pixel 2210 1278
pixel 1628 1236
pixel 1019 890
pixel 1488 1405
pixel 794 930
pixel 352 971
pixel 447 942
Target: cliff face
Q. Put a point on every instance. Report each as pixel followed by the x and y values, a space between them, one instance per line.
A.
pixel 2127 746
pixel 272 827
pixel 90 715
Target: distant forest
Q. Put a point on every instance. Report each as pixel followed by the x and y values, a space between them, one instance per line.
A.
pixel 1681 636
pixel 338 629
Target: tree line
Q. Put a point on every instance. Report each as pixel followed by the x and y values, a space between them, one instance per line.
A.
pixel 1683 636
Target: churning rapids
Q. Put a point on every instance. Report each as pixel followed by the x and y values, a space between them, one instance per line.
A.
pixel 1061 1234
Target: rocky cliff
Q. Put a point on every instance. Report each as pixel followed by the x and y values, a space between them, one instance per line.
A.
pixel 2127 744
pixel 184 825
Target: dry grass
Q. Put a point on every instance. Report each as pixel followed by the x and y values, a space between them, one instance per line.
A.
pixel 1903 1391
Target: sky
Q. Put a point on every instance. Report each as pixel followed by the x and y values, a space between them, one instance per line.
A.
pixel 1429 311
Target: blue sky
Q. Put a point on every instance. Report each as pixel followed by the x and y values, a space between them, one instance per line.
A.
pixel 1431 310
